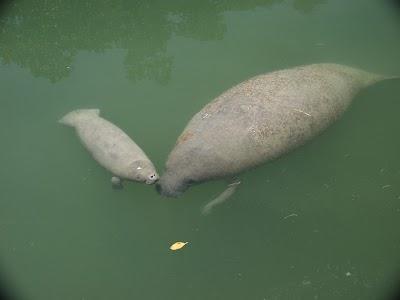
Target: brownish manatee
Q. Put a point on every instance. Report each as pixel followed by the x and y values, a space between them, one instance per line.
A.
pixel 259 120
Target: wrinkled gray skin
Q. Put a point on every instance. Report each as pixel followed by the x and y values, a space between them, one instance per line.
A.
pixel 259 120
pixel 111 147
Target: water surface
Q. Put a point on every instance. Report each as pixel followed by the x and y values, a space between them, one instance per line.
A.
pixel 320 223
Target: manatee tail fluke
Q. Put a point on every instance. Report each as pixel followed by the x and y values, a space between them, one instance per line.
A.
pixel 372 78
pixel 74 116
pixel 391 77
pixel 365 78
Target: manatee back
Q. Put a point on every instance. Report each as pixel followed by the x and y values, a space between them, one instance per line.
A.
pixel 263 118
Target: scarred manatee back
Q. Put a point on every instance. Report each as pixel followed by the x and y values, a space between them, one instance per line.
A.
pixel 260 119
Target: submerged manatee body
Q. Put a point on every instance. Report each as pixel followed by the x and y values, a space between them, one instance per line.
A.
pixel 111 147
pixel 259 120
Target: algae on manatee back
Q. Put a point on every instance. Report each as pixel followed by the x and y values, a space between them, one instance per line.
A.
pixel 259 120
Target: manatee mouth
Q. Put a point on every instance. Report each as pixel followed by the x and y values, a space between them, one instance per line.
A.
pixel 172 184
pixel 168 191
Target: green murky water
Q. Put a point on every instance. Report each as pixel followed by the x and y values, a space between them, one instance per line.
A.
pixel 320 223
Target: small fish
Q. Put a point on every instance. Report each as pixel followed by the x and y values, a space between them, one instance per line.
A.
pixel 178 245
pixel 225 195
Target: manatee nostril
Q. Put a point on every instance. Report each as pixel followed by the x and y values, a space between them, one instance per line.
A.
pixel 153 177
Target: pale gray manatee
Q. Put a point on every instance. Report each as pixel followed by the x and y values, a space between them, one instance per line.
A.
pixel 111 147
pixel 259 120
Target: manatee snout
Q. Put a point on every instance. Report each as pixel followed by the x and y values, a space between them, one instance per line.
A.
pixel 143 171
pixel 170 185
pixel 152 178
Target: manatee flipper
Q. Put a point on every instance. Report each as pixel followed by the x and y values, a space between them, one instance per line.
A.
pixel 221 198
pixel 116 183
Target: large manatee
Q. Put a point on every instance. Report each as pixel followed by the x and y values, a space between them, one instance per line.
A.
pixel 259 120
pixel 111 147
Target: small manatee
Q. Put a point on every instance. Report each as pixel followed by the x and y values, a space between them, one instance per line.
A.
pixel 111 147
pixel 259 120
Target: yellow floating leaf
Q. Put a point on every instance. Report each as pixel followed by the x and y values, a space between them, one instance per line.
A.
pixel 177 245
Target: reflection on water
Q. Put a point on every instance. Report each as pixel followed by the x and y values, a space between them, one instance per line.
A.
pixel 45 37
